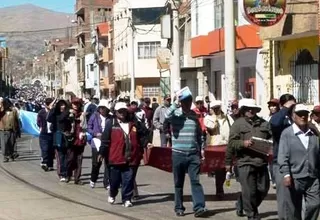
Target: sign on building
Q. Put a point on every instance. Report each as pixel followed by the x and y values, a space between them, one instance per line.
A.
pixel 163 58
pixel 263 13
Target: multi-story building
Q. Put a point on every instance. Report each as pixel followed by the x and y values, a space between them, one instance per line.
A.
pixel 137 38
pixel 105 54
pixel 207 43
pixel 291 52
pixel 89 14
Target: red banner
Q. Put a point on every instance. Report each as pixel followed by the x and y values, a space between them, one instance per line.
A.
pixel 161 158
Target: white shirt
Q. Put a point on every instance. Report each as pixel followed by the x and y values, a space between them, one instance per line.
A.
pixel 303 136
pixel 125 127
pixel 103 122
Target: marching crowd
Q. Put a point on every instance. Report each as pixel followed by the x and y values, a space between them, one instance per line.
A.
pixel 119 130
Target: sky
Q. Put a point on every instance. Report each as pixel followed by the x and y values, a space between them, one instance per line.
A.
pixel 56 5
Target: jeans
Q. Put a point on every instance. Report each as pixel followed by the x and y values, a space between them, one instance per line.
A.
pixel 47 150
pixel 61 157
pixel 95 170
pixel 121 175
pixel 8 140
pixel 183 163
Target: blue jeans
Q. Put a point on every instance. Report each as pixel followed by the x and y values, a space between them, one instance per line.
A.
pixel 47 150
pixel 121 175
pixel 183 163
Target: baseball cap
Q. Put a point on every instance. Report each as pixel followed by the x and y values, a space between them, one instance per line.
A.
pixel 199 99
pixel 316 109
pixel 120 105
pixel 301 108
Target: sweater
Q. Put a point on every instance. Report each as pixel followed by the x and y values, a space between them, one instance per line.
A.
pixel 294 159
pixel 187 134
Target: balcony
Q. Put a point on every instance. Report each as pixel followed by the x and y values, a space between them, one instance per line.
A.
pixel 82 4
pixel 107 55
pixel 82 29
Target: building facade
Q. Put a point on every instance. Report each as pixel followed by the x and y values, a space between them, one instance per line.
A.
pixel 89 14
pixel 207 43
pixel 291 53
pixel 137 39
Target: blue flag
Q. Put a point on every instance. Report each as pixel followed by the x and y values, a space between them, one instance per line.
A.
pixel 29 123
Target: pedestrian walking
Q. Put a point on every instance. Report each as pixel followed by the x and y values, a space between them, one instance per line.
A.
pixel 188 143
pixel 46 137
pixel 252 166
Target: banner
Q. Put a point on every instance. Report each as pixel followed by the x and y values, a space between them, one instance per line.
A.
pixel 29 123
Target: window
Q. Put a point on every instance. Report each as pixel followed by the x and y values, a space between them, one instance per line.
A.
pixel 218 14
pixel 147 15
pixel 148 50
pixel 151 91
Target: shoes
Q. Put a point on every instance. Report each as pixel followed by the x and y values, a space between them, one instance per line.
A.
pixel 127 204
pixel 6 159
pixel 44 167
pixel 201 213
pixel 239 210
pixel 78 182
pixel 62 179
pixel 274 186
pixel 50 169
pixel 180 214
pixel 111 200
pixel 92 184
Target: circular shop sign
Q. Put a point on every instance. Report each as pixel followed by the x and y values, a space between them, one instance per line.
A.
pixel 263 13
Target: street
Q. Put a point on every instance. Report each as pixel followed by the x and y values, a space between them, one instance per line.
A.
pixel 40 195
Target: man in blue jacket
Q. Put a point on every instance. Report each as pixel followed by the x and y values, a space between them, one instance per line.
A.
pixel 280 121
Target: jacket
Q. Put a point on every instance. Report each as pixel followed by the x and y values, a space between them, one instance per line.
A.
pixel 42 121
pixel 244 129
pixel 295 159
pixel 94 126
pixel 120 149
pixel 278 122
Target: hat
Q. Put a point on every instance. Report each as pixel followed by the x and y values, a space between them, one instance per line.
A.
pixel 104 103
pixel 184 93
pixel 234 103
pixel 120 105
pixel 199 99
pixel 76 101
pixel 316 109
pixel 95 97
pixel 250 103
pixel 301 108
pixel 215 103
pixel 166 97
pixel 274 101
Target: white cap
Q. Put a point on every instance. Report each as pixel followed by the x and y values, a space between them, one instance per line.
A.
pixel 251 103
pixel 96 97
pixel 104 103
pixel 199 98
pixel 120 105
pixel 215 103
pixel 301 108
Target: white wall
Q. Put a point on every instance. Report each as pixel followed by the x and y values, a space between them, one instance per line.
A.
pixel 90 74
pixel 70 66
pixel 123 40
pixel 205 11
pixel 245 58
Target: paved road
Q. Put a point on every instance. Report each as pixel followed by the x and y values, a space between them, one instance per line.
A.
pixel 155 186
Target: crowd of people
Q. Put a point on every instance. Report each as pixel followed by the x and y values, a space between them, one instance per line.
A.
pixel 119 131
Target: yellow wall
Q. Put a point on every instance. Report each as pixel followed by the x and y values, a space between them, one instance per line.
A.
pixel 287 50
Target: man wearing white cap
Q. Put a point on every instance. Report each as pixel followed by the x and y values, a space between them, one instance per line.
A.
pixel 122 144
pixel 252 165
pixel 201 111
pixel 298 158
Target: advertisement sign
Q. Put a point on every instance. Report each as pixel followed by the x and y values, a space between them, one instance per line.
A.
pixel 263 13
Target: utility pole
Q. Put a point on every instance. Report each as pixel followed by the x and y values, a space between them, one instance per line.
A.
pixel 175 61
pixel 231 83
pixel 133 75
